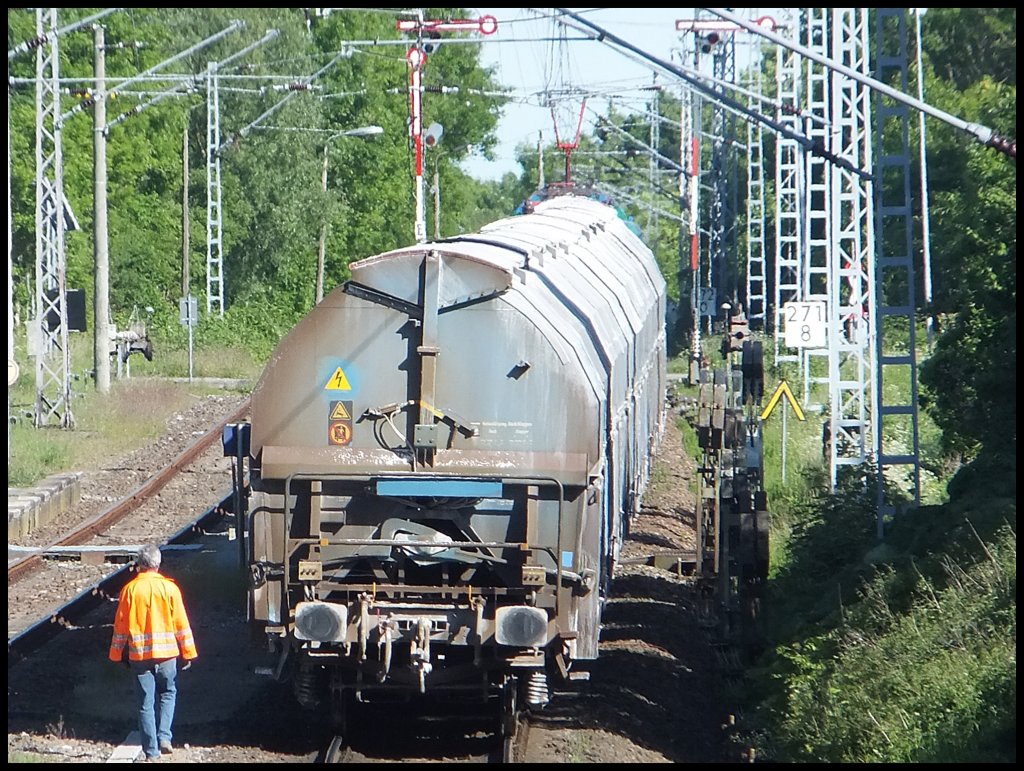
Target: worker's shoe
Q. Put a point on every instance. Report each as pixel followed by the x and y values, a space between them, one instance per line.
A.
pixel 165 747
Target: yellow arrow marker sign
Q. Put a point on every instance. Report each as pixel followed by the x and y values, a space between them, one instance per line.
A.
pixel 782 389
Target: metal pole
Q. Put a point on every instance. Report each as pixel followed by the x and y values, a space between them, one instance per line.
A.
pixel 925 225
pixel 540 160
pixel 784 411
pixel 10 275
pixel 437 204
pixel 416 57
pixel 101 300
pixel 184 210
pixel 323 231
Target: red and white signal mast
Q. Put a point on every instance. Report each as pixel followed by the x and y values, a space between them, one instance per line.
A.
pixel 417 58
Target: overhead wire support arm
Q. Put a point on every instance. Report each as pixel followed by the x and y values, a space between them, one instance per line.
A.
pixel 763 98
pixel 34 43
pixel 345 53
pixel 735 88
pixel 982 133
pixel 604 36
pixel 194 83
pixel 233 27
pixel 618 129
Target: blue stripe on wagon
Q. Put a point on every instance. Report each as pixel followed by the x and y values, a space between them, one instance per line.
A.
pixel 449 488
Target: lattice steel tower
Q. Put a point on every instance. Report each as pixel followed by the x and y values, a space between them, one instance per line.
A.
pixel 851 303
pixel 790 192
pixel 817 243
pixel 214 221
pixel 895 323
pixel 755 200
pixel 53 357
pixel 723 177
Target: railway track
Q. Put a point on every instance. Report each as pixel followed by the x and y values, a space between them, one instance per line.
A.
pixel 21 567
pixel 25 638
pixel 435 738
pixel 107 589
pixel 230 715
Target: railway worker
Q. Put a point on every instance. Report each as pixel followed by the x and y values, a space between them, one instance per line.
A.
pixel 151 631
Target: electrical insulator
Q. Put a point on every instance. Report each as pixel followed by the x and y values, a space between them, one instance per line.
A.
pixel 1004 145
pixel 80 93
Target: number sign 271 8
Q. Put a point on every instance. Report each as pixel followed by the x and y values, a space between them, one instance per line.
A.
pixel 805 325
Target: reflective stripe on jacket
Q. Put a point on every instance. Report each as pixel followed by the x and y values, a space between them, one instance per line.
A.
pixel 151 621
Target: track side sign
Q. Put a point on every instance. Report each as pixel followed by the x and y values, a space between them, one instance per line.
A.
pixel 805 325
pixel 782 389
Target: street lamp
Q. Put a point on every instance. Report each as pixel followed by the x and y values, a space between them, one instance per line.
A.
pixel 362 131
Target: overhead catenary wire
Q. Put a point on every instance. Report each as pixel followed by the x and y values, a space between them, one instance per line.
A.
pixel 305 81
pixel 192 84
pixel 233 27
pixel 609 124
pixel 809 145
pixel 983 134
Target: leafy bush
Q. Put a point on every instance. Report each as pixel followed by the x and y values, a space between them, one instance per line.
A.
pixel 934 683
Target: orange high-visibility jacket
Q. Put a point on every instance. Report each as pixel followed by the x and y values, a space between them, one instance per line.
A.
pixel 151 621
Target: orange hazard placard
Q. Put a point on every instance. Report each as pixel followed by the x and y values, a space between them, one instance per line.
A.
pixel 340 432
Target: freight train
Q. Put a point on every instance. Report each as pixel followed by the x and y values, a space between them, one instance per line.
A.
pixel 443 458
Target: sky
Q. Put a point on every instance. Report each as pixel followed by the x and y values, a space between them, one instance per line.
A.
pixel 530 67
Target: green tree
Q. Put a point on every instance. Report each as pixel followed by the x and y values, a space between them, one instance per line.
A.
pixel 273 204
pixel 974 231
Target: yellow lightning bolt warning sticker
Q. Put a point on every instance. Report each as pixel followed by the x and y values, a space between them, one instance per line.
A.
pixel 338 381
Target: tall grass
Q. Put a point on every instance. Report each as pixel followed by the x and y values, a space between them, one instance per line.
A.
pixel 925 675
pixel 895 651
pixel 134 412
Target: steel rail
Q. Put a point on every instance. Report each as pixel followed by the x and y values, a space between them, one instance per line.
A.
pixel 125 506
pixel 107 589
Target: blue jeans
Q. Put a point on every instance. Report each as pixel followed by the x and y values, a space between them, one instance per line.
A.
pixel 155 688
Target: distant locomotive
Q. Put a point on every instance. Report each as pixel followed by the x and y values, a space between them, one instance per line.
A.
pixel 444 456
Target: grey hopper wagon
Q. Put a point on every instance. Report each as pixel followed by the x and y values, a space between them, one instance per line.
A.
pixel 445 453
